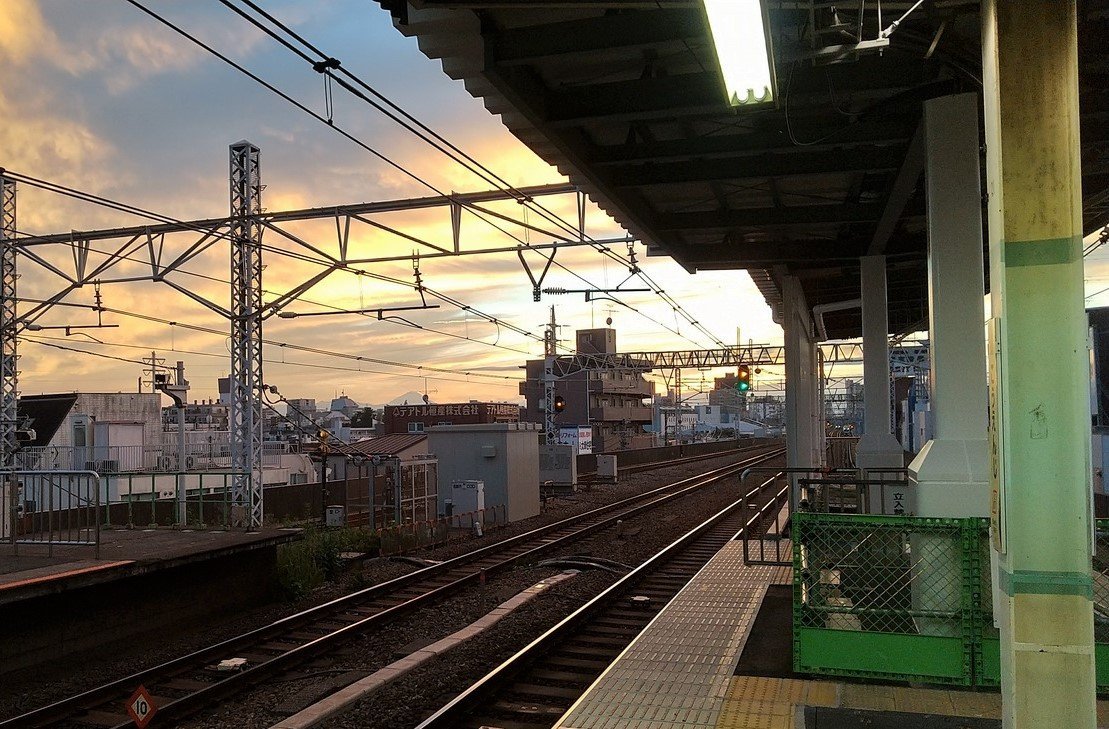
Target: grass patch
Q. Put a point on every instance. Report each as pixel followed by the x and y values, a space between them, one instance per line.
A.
pixel 308 563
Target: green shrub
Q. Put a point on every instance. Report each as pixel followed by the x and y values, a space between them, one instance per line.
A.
pixel 297 571
pixel 304 565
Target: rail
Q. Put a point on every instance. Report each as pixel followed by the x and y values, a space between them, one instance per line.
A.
pixel 363 610
pixel 479 693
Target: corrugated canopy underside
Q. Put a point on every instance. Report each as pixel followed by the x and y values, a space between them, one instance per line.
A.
pixel 624 98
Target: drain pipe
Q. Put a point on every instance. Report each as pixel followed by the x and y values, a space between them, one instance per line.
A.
pixel 819 311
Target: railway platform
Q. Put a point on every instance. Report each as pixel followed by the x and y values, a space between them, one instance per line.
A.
pixel 62 600
pixel 33 570
pixel 690 668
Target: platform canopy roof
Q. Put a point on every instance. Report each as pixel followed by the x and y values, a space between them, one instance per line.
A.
pixel 625 98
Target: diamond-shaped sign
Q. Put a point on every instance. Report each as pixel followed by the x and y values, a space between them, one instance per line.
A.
pixel 140 707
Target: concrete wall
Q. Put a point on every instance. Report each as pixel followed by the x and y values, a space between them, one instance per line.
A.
pixel 503 455
pixel 120 407
pixel 588 463
pixel 142 609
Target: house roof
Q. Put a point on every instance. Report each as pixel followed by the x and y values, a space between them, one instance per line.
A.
pixel 45 414
pixel 386 445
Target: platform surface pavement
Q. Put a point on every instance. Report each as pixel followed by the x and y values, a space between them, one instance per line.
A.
pixel 769 703
pixel 679 672
pixel 29 569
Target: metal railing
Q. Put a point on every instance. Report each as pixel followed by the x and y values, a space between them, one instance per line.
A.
pixel 402 538
pixel 196 499
pixel 767 527
pixel 51 508
pixel 137 458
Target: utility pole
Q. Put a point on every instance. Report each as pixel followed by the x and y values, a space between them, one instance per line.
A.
pixel 550 351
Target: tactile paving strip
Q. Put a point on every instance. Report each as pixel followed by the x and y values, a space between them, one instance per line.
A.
pixel 678 671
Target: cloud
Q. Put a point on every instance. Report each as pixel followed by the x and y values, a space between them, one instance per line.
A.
pixel 102 98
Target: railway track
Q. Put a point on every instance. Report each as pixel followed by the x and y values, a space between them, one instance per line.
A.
pixel 535 687
pixel 591 476
pixel 187 684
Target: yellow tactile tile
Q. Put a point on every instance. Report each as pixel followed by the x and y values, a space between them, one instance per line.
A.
pixel 821 693
pixel 923 701
pixel 974 703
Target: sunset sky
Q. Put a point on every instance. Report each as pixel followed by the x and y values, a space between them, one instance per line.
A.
pixel 98 96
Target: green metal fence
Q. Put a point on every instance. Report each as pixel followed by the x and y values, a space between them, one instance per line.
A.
pixel 885 596
pixel 195 499
pixel 908 599
pixel 988 650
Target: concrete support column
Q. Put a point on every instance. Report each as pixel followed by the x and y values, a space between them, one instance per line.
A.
pixel 804 422
pixel 878 449
pixel 951 471
pixel 1039 410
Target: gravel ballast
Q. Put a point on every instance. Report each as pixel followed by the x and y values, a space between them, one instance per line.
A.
pixel 427 687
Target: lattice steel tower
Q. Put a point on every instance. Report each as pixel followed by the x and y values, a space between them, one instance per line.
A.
pixel 246 335
pixel 9 372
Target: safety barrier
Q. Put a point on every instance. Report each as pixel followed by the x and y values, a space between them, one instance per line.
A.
pixel 172 499
pixel 51 508
pixel 909 599
pixel 885 596
pixel 988 657
pixel 401 538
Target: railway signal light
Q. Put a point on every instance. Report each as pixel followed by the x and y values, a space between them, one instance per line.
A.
pixel 559 403
pixel 743 379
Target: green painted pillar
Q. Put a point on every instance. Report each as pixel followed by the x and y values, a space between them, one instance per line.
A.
pixel 1040 419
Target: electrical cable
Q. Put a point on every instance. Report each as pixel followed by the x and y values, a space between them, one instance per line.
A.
pixel 327 63
pixel 274 343
pixel 41 339
pixel 391 320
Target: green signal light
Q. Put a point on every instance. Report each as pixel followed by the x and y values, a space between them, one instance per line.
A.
pixel 743 378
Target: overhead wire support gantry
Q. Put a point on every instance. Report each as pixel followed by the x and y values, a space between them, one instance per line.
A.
pixel 9 357
pixel 246 335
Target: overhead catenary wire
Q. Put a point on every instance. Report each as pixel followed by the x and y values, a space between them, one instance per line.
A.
pixel 472 208
pixel 46 340
pixel 326 64
pixel 283 345
pixel 141 212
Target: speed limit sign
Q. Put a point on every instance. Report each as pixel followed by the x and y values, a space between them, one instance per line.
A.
pixel 140 707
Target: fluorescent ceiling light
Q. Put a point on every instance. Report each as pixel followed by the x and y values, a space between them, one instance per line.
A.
pixel 743 49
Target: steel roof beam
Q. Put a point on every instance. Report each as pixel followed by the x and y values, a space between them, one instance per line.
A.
pixel 667 97
pixel 591 35
pixel 879 131
pixel 790 216
pixel 759 167
pixel 904 186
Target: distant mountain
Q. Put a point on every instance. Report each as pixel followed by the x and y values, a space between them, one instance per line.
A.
pixel 410 398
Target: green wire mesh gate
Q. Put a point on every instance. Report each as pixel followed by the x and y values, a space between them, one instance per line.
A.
pixel 908 599
pixel 885 596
